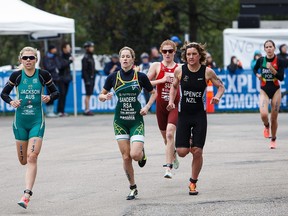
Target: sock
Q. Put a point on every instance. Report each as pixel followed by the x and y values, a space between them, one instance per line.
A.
pixel 267 126
pixel 193 180
pixel 273 139
pixel 133 187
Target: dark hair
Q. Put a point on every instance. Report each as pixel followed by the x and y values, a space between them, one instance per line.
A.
pixel 270 42
pixel 198 46
pixel 64 44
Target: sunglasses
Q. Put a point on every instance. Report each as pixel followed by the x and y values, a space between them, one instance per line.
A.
pixel 28 57
pixel 169 51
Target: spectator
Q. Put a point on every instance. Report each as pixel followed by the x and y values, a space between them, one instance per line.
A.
pixel 52 63
pixel 234 65
pixel 144 67
pixel 88 74
pixel 209 61
pixel 65 78
pixel 155 56
pixel 283 54
pixel 178 42
pixel 257 55
pixel 113 65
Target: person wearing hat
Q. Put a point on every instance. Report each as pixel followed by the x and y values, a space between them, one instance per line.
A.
pixel 52 63
pixel 178 42
pixel 88 74
pixel 283 54
pixel 144 67
pixel 257 55
pixel 113 65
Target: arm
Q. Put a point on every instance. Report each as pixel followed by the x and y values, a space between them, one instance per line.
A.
pixel 52 89
pixel 145 83
pixel 256 68
pixel 152 98
pixel 174 88
pixel 152 74
pixel 211 75
pixel 280 73
pixel 105 94
pixel 7 90
pixel 85 74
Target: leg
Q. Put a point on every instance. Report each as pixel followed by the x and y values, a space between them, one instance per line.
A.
pixel 275 106
pixel 124 146
pixel 22 151
pixel 136 151
pixel 263 106
pixel 61 87
pixel 87 100
pixel 34 148
pixel 197 162
pixel 182 152
pixel 170 146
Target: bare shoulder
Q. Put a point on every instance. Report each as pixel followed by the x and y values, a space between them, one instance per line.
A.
pixel 209 73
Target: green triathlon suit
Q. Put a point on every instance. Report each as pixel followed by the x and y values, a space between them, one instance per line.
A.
pixel 29 118
pixel 128 122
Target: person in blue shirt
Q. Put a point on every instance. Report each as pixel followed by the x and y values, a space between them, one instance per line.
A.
pixel 113 65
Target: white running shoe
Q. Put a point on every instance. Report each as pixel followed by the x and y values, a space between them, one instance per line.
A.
pixel 168 174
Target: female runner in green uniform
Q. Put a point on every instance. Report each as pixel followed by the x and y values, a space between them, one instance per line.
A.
pixel 29 124
pixel 128 120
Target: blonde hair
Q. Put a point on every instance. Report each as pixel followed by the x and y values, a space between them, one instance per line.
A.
pixel 27 49
pixel 129 49
pixel 198 46
pixel 169 43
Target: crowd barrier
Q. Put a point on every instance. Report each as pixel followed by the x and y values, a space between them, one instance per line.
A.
pixel 241 95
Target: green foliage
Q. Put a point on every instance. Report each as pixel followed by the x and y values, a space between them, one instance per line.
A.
pixel 112 24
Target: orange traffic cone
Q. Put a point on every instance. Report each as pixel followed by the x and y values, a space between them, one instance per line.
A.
pixel 209 96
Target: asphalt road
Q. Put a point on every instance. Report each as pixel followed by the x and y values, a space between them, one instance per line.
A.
pixel 80 171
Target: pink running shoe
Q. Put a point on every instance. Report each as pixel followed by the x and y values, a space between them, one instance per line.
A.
pixel 24 202
pixel 266 132
pixel 273 144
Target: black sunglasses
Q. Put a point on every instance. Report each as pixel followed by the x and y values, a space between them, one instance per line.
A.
pixel 169 51
pixel 28 57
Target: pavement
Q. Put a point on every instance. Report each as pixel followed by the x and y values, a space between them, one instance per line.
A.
pixel 80 171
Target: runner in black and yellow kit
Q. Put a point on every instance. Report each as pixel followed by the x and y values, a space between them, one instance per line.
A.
pixel 128 120
pixel 193 77
pixel 29 124
pixel 271 72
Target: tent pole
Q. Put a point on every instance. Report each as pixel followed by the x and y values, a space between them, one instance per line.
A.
pixel 74 74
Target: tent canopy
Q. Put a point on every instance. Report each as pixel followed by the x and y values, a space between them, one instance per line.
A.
pixel 19 18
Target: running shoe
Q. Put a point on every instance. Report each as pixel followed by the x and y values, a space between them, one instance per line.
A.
pixel 24 202
pixel 142 162
pixel 133 193
pixel 266 132
pixel 192 189
pixel 273 144
pixel 176 161
pixel 168 174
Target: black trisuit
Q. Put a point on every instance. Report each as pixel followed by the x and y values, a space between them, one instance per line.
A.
pixel 192 110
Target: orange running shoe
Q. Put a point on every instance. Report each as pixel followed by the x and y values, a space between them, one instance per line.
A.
pixel 273 144
pixel 24 202
pixel 192 189
pixel 266 132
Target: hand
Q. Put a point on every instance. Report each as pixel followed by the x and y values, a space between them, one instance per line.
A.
pixel 259 76
pixel 170 106
pixel 109 96
pixel 45 98
pixel 16 103
pixel 215 100
pixel 144 111
pixel 166 78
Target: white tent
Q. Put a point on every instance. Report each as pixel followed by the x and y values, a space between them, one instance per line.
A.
pixel 19 18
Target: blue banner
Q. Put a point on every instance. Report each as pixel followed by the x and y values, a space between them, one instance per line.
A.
pixel 242 94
